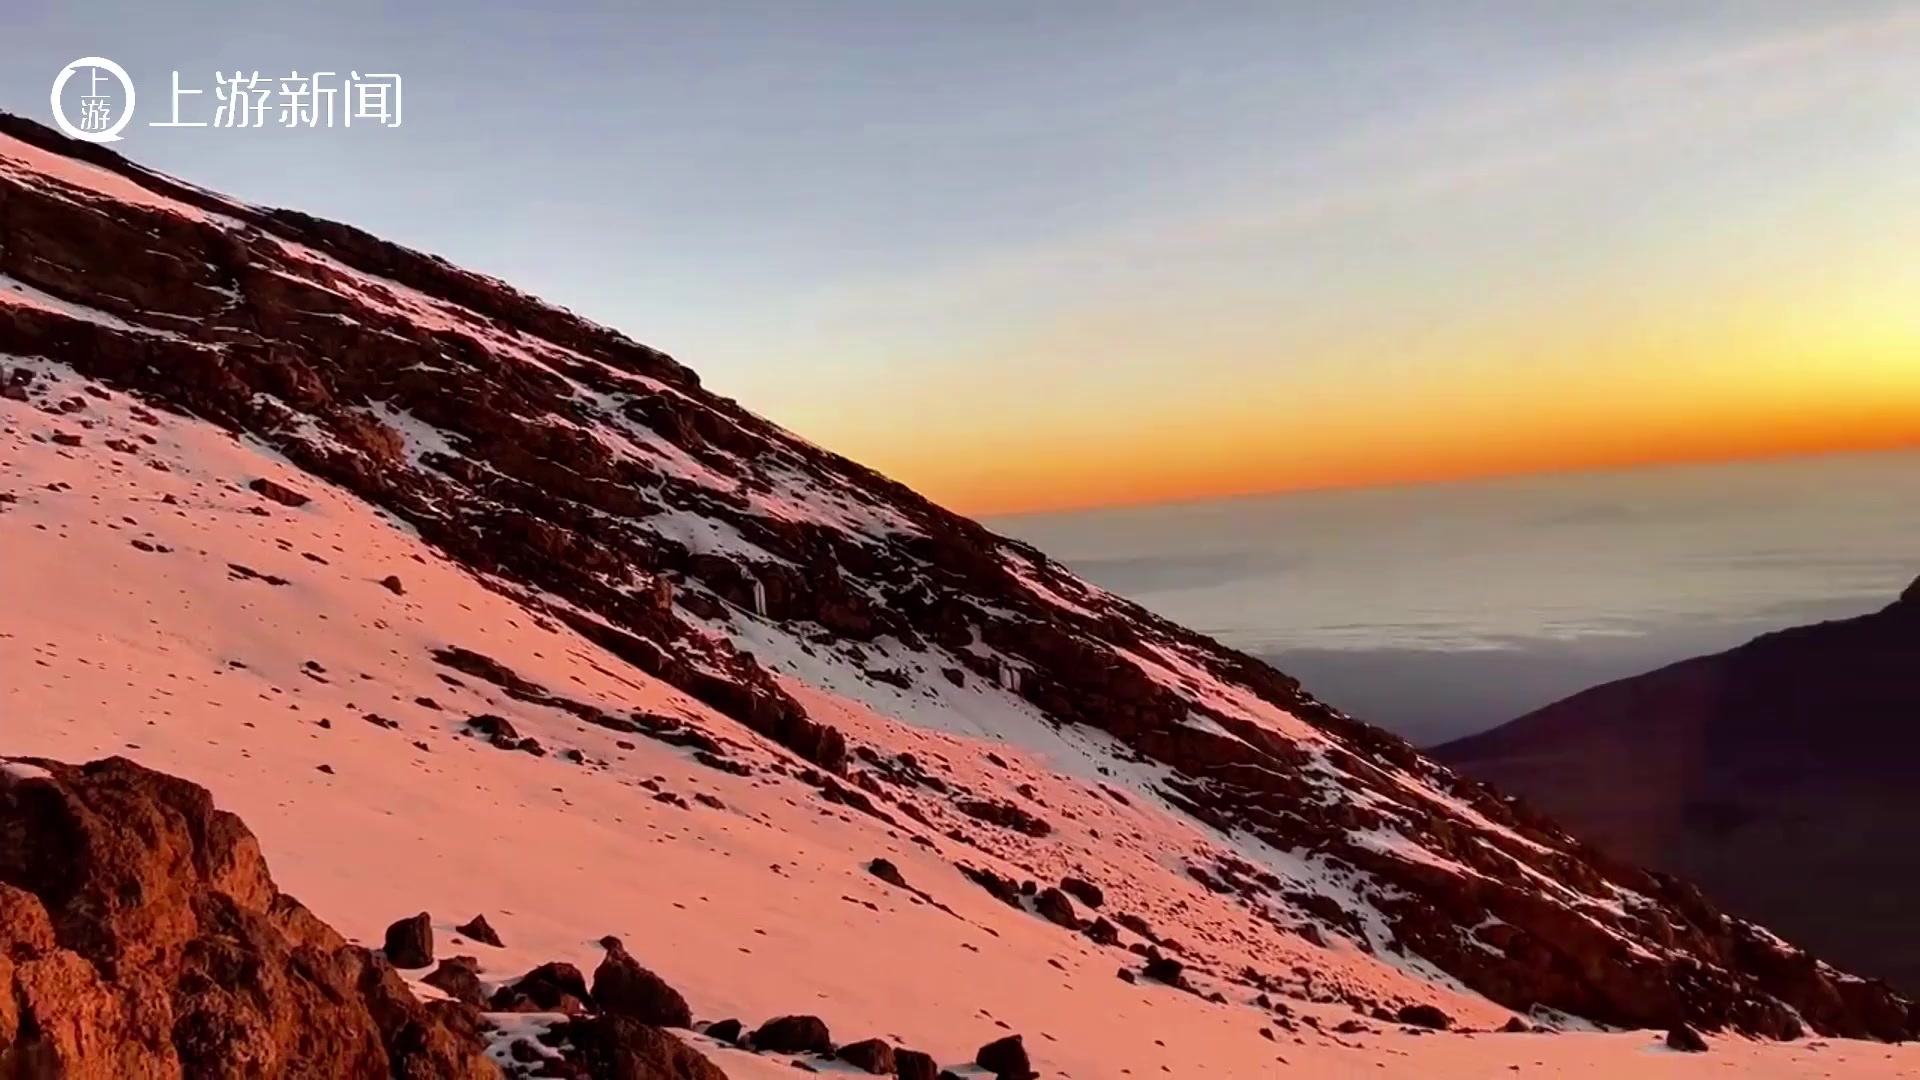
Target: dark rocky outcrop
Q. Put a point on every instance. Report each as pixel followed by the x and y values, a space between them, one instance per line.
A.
pixel 142 936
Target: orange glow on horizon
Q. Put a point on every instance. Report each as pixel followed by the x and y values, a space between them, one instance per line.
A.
pixel 1510 438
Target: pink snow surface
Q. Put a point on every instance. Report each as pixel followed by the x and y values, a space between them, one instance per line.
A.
pixel 30 164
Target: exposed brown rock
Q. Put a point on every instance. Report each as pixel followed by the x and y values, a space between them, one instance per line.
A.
pixel 279 493
pixel 1686 1040
pixel 458 977
pixel 1084 891
pixel 141 936
pixel 914 1065
pixel 1006 1059
pixel 551 987
pixel 793 1035
pixel 409 942
pixel 874 1055
pixel 614 1047
pixel 481 931
pixel 1053 906
pixel 622 987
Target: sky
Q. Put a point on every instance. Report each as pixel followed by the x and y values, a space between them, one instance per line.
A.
pixel 1039 256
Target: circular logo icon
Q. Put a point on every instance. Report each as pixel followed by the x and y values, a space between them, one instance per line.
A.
pixel 97 121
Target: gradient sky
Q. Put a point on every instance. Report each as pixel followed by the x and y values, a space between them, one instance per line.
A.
pixel 1041 255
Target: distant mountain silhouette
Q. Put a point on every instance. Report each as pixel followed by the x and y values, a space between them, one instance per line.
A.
pixel 1779 775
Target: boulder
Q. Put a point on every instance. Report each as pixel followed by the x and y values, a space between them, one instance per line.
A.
pixel 1165 969
pixel 1053 906
pixel 1084 891
pixel 458 977
pixel 874 1055
pixel 726 1031
pixel 793 1035
pixel 615 1047
pixel 1006 1059
pixel 1424 1016
pixel 409 942
pixel 551 987
pixel 914 1065
pixel 621 987
pixel 1686 1040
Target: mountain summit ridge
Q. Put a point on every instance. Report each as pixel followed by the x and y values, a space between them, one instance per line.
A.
pixel 466 474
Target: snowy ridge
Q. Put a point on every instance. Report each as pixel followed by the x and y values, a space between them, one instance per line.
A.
pixel 674 599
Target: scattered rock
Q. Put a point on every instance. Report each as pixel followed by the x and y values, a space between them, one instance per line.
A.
pixel 1424 1016
pixel 551 987
pixel 1165 969
pixel 726 1031
pixel 1006 1059
pixel 409 942
pixel 794 1035
pixel 481 931
pixel 617 1047
pixel 914 1065
pixel 887 872
pixel 1084 891
pixel 458 977
pixel 279 493
pixel 622 987
pixel 1686 1040
pixel 1005 815
pixel 874 1055
pixel 392 584
pixel 1053 906
pixel 1516 1026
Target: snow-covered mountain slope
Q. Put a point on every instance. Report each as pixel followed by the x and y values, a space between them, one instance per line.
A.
pixel 468 605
